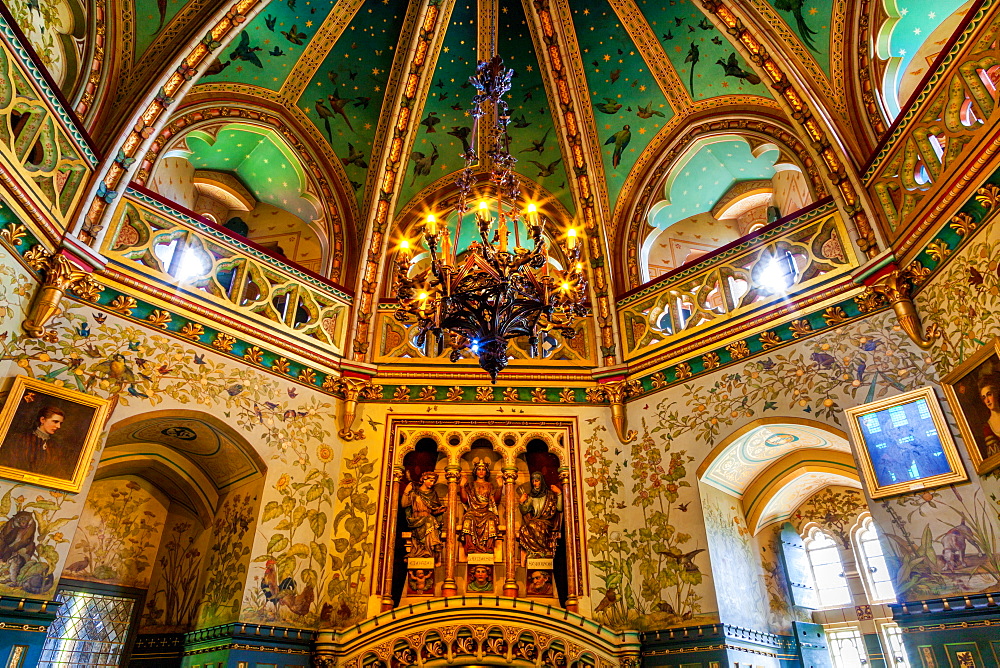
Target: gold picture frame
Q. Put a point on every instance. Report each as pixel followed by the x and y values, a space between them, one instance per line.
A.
pixel 963 388
pixel 48 434
pixel 904 445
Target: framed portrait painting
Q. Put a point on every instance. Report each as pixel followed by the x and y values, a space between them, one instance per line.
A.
pixel 48 434
pixel 973 389
pixel 904 445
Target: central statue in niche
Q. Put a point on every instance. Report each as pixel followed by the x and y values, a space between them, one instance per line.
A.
pixel 481 522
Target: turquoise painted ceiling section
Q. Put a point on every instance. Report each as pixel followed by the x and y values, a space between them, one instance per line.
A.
pixel 445 118
pixel 702 56
pixel 264 53
pixel 150 17
pixel 911 22
pixel 264 167
pixel 629 107
pixel 345 96
pixel 707 176
pixel 810 21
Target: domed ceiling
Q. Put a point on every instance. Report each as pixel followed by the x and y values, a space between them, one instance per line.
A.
pixel 649 69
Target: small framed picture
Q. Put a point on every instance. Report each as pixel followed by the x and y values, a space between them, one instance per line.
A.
pixel 48 434
pixel 973 389
pixel 904 445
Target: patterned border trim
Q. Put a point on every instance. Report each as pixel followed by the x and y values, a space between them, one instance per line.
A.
pixel 171 212
pixel 67 120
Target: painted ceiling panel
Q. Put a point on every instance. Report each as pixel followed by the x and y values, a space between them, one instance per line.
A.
pixel 810 20
pixel 532 128
pixel 629 107
pixel 701 55
pixel 706 176
pixel 150 17
pixel 737 466
pixel 264 53
pixel 345 95
pixel 792 495
pixel 445 117
pixel 262 163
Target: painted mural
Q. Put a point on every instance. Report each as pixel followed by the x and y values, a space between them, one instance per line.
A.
pixel 228 561
pixel 33 529
pixel 650 566
pixel 174 591
pixel 835 510
pixel 738 576
pixel 95 352
pixel 119 533
pixel 52 28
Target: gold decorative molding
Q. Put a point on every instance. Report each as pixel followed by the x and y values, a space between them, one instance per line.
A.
pixel 353 390
pixel 897 286
pixel 60 275
pixel 615 393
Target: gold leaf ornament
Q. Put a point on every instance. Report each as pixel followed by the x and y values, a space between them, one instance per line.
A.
pixel 223 342
pixel 159 318
pixel 427 393
pixel 769 340
pixel 510 394
pixel 567 396
pixel 454 393
pixel 738 350
pixel 484 394
pixel 401 393
pixel 192 330
pixel 123 304
pixel 307 375
pixel 37 257
pixel 538 396
pixel 800 328
pixel 834 315
pixel 254 354
pixel 710 360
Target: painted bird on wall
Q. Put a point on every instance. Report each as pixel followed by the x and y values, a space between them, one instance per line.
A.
pixel 795 7
pixel 733 69
pixel 620 139
pixel 283 593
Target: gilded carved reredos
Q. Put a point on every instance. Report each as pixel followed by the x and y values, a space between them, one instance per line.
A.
pixel 509 442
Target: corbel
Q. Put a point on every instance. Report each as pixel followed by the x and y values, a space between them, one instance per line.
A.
pixel 60 275
pixel 353 390
pixel 615 393
pixel 897 285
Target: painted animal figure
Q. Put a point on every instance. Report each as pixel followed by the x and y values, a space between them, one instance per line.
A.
pixel 954 544
pixel 17 542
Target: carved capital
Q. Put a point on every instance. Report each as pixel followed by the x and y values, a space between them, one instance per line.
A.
pixel 354 390
pixel 615 393
pixel 60 275
pixel 897 286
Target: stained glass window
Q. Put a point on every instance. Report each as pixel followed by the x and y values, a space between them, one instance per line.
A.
pixel 91 630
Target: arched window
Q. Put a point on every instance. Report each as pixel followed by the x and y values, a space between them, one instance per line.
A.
pixel 847 647
pixel 827 570
pixel 871 563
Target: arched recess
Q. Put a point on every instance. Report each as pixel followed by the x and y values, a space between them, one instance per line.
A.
pixel 773 465
pixel 322 180
pixel 171 510
pixel 760 132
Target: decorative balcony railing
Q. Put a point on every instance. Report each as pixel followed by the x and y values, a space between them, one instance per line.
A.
pixel 222 277
pixel 45 160
pixel 731 288
pixel 932 141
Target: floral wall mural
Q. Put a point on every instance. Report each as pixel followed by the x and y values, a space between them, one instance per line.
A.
pixel 737 572
pixel 835 509
pixel 175 586
pixel 119 533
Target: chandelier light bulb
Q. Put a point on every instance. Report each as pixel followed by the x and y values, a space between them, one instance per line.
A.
pixel 571 238
pixel 430 226
pixel 422 296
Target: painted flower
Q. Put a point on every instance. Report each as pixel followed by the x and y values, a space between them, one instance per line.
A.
pixel 324 453
pixel 282 482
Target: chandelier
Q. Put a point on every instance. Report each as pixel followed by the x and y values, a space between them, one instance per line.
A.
pixel 495 290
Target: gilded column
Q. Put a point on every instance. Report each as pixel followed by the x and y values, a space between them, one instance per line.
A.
pixel 389 547
pixel 569 535
pixel 510 539
pixel 450 588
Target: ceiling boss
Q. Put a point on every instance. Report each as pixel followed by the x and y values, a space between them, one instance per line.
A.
pixel 494 289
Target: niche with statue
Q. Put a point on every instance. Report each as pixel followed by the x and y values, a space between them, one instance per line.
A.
pixel 480 516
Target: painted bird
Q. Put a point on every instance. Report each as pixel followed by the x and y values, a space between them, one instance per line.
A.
pixel 337 105
pixel 824 360
pixel 609 106
pixel 276 51
pixel 705 24
pixel 270 22
pixel 610 597
pixel 546 170
pixel 100 317
pixel 83 329
pixel 325 114
pixel 682 558
pixel 648 111
pixel 115 368
pixel 537 145
pixel 293 35
pixel 354 157
pixel 519 122
pixel 373 424
pixel 362 102
pixel 615 74
pixel 795 7
pixel 161 7
pixel 693 56
pixel 733 69
pixel 429 122
pixel 462 133
pixel 245 52
pixel 667 36
pixel 136 392
pixel 422 163
pixel 620 139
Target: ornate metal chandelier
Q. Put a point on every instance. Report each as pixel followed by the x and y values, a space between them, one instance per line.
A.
pixel 492 291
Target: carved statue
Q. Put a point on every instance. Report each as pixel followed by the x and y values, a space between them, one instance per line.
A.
pixel 423 509
pixel 541 512
pixel 481 522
